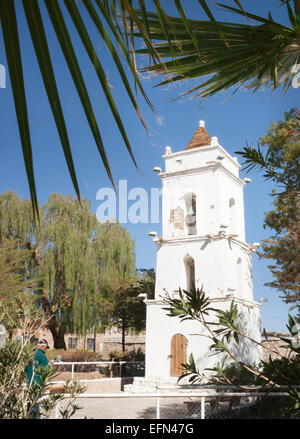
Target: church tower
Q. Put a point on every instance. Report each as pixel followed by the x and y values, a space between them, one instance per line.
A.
pixel 202 242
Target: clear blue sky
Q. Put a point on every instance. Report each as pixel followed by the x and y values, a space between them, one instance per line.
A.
pixel 243 118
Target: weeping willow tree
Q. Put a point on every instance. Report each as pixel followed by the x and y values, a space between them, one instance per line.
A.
pixel 119 275
pixel 117 254
pixel 17 267
pixel 68 265
pixel 77 263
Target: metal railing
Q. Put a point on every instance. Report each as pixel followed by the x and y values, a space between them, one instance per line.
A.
pixel 113 368
pixel 162 404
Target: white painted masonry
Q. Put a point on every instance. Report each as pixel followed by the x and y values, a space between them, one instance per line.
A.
pixel 203 236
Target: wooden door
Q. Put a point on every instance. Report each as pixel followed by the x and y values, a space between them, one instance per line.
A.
pixel 178 355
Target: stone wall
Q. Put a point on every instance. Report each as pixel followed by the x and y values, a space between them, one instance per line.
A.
pixel 112 341
pixel 106 342
pixel 274 343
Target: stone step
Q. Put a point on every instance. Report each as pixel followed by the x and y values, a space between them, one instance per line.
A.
pixel 142 385
pixel 134 388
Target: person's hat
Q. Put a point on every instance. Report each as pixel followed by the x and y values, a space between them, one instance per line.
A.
pixel 43 342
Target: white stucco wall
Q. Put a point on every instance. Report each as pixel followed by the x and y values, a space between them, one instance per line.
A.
pixel 159 336
pixel 213 187
pixel 205 179
pixel 216 266
pixel 199 157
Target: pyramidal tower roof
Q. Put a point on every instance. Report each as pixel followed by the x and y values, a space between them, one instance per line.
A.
pixel 200 138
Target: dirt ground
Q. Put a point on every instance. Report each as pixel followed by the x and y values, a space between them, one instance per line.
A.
pixel 63 376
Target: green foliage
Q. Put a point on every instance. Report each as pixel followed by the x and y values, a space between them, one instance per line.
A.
pixel 278 152
pixel 73 355
pixel 280 163
pixel 225 332
pixel 132 355
pixel 293 342
pixel 235 374
pixel 191 305
pixel 122 308
pixel 19 313
pixel 117 255
pixel 15 269
pixel 228 320
pixel 146 283
pixel 129 310
pixel 277 408
pixel 58 19
pixel 72 264
pixel 19 399
pixel 230 54
pixel 191 371
pixel 284 371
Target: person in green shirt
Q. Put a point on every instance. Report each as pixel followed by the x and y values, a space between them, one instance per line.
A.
pixel 32 375
pixel 40 359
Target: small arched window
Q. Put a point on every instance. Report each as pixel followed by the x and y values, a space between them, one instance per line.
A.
pixel 191 213
pixel 190 272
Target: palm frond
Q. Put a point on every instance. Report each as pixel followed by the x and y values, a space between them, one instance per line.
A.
pixel 13 54
pixel 39 40
pixel 254 56
pixel 102 18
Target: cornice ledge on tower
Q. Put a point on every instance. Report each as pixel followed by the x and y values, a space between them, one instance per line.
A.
pixel 239 300
pixel 205 168
pixel 203 148
pixel 202 238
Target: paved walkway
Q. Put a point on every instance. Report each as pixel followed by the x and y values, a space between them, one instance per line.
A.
pixel 132 408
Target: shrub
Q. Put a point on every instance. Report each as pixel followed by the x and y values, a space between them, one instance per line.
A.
pixel 134 355
pixel 238 375
pixel 18 398
pixel 73 356
pixel 284 371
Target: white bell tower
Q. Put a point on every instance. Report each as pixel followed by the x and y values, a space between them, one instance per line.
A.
pixel 202 242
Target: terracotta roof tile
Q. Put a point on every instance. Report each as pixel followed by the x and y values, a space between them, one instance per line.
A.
pixel 200 138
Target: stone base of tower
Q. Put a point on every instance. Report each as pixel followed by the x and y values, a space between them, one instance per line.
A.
pixel 170 342
pixel 144 385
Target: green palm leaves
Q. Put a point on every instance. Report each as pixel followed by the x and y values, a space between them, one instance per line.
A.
pixel 226 54
pixel 13 54
pixel 35 24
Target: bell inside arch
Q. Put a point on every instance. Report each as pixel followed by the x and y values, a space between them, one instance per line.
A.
pixel 190 210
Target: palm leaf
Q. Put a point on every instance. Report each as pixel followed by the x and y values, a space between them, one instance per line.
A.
pixel 37 32
pixel 212 19
pixel 35 24
pixel 252 56
pixel 13 55
pixel 143 29
pixel 65 42
pixel 80 26
pixel 256 55
pixel 165 25
pixel 115 55
pixel 186 23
